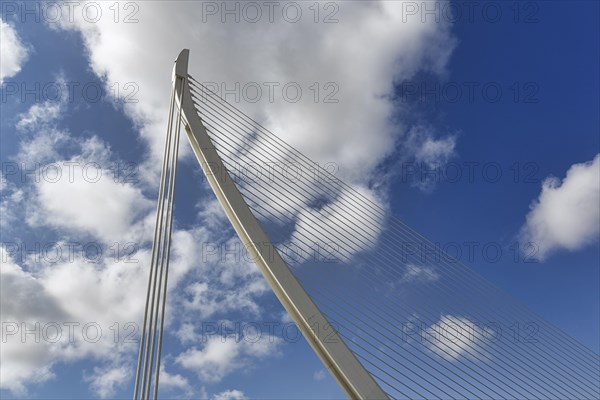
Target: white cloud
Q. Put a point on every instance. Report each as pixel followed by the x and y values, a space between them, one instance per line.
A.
pixel 40 137
pixel 24 372
pixel 566 215
pixel 13 53
pixel 286 318
pixel 218 358
pixel 109 289
pixel 24 300
pixel 453 338
pixel 332 232
pixel 223 355
pixel 230 395
pixel 109 295
pixel 232 283
pixel 105 381
pixel 39 115
pixel 81 193
pixel 355 134
pixel 211 212
pixel 174 381
pixel 414 273
pixel 319 375
pixel 371 37
pixel 186 333
pixel 86 208
pixel 41 149
pixel 3 182
pixel 427 151
pixel 92 202
pixel 208 299
pixel 436 151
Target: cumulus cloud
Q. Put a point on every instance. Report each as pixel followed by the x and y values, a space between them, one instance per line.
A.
pixel 434 151
pixel 230 395
pixel 174 381
pixel 213 362
pixel 80 193
pixel 454 338
pixel 41 303
pixel 109 290
pixel 39 116
pixel 110 286
pixel 207 300
pixel 40 137
pixel 426 151
pixel 84 204
pixel 93 203
pixel 332 232
pixel 566 214
pixel 232 283
pixel 356 132
pixel 221 356
pixel 105 381
pixel 13 52
pixel 45 327
pixel 24 300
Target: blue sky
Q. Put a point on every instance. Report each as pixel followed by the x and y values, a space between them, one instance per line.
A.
pixel 542 55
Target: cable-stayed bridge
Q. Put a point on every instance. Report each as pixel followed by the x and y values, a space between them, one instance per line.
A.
pixel 386 322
